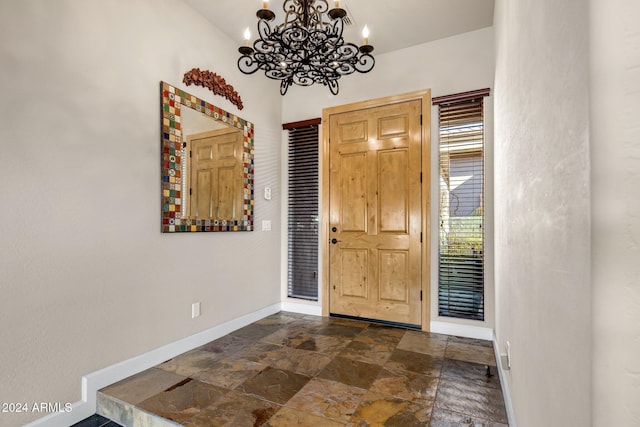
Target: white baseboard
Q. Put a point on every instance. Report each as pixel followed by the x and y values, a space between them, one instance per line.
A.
pixel 97 380
pixel 301 308
pixel 504 384
pixel 467 331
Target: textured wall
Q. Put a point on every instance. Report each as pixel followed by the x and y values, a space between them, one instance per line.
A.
pixel 615 184
pixel 87 279
pixel 542 204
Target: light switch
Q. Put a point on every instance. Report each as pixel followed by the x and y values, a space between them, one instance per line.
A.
pixel 266 225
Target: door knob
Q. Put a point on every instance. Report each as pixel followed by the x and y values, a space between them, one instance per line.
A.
pixel 334 240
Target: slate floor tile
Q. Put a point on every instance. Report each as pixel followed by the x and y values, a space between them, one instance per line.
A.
pixel 183 401
pixel 142 386
pixel 476 401
pixel 380 410
pixel 406 385
pixel 470 353
pixel 350 372
pixel 274 385
pixel 328 399
pixel 234 409
pixel 418 343
pixel 421 363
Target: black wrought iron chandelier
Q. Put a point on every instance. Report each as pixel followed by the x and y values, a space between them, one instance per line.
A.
pixel 307 48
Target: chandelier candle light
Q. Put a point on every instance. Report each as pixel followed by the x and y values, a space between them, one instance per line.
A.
pixel 306 48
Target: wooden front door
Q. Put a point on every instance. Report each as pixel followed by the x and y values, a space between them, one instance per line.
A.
pixel 215 175
pixel 375 213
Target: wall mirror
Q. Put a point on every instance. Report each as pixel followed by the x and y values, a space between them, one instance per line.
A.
pixel 207 166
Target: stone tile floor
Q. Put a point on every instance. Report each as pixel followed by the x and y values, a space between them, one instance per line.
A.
pixel 295 370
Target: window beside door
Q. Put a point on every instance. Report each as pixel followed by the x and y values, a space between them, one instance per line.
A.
pixel 461 205
pixel 303 210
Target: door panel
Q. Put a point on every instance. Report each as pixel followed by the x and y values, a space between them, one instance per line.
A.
pixel 390 127
pixel 394 276
pixel 393 183
pixel 214 171
pixel 354 265
pixel 353 192
pixel 355 131
pixel 201 200
pixel 226 186
pixel 375 213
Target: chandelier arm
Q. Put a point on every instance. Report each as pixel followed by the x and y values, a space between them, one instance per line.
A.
pixel 347 51
pixel 333 87
pixel 264 30
pixel 284 85
pixel 247 64
pixel 365 63
pixel 337 27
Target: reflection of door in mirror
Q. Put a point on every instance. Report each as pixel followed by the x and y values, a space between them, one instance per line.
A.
pixel 207 152
pixel 214 167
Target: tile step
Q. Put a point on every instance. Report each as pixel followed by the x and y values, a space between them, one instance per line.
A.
pixel 128 415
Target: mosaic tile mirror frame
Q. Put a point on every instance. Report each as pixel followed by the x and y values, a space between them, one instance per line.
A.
pixel 177 215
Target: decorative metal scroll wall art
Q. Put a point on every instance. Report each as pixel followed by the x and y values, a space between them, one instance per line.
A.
pixel 307 48
pixel 214 83
pixel 176 215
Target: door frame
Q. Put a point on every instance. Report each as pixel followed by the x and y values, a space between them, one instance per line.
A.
pixel 425 97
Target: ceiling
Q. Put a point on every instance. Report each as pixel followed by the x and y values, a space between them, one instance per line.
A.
pixel 394 24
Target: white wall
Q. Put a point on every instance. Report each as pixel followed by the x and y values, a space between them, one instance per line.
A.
pixel 455 64
pixel 615 204
pixel 542 204
pixel 87 279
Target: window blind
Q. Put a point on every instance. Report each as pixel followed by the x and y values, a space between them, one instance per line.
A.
pixel 461 212
pixel 303 210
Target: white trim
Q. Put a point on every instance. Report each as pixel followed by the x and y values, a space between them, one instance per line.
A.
pixel 301 308
pixel 506 393
pixel 97 380
pixel 467 331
